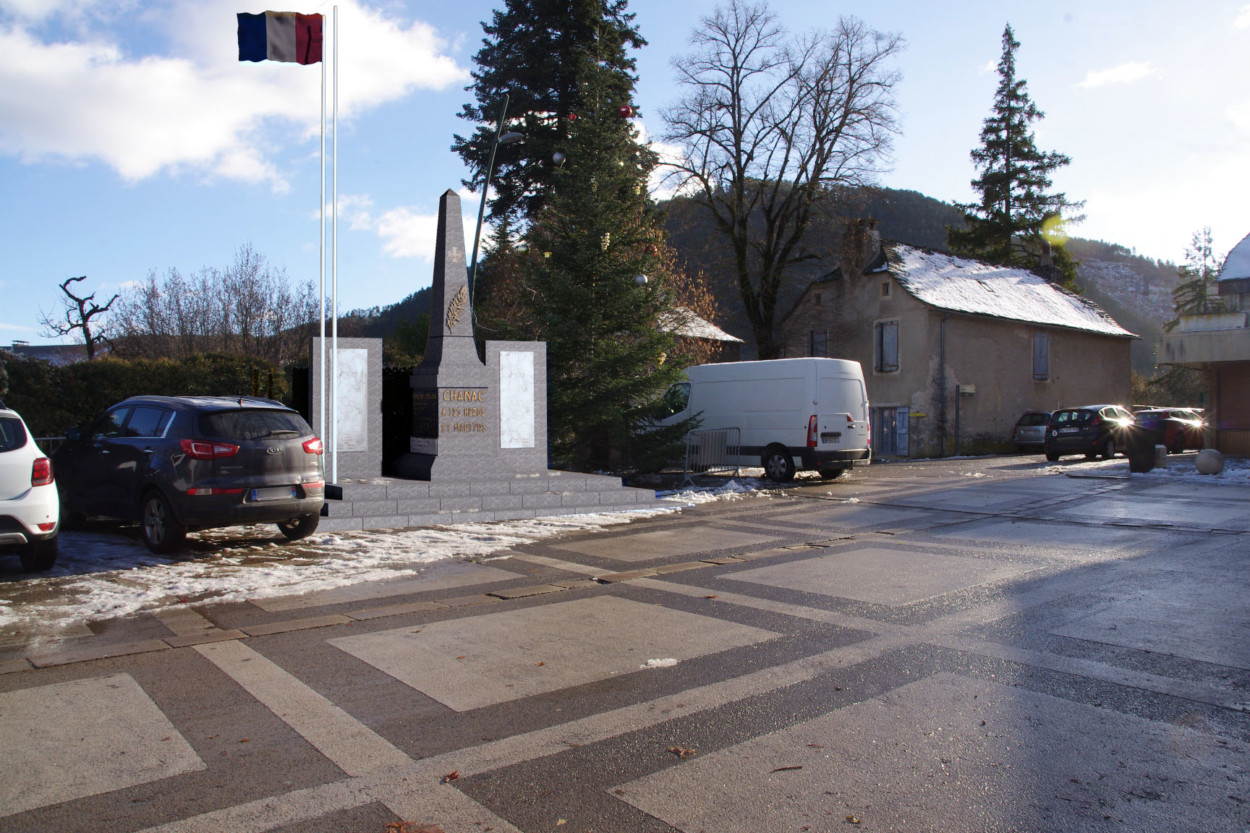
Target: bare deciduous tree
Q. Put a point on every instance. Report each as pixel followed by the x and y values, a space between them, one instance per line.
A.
pixel 769 124
pixel 78 315
pixel 249 308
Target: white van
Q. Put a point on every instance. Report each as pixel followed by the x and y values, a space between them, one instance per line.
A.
pixel 785 414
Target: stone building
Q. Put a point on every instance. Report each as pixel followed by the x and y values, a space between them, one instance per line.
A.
pixel 955 350
pixel 1219 343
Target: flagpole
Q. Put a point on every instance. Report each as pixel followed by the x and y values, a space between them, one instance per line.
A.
pixel 334 433
pixel 321 317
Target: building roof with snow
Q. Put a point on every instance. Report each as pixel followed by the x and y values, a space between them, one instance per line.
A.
pixel 684 322
pixel 1237 264
pixel 976 288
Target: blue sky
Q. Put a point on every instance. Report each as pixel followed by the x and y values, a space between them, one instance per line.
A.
pixel 132 139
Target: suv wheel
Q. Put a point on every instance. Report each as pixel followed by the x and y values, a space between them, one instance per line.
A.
pixel 160 529
pixel 1052 456
pixel 38 556
pixel 300 527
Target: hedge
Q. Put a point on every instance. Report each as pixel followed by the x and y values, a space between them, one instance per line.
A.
pixel 51 399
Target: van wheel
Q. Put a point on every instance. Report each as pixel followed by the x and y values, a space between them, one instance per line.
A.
pixel 832 474
pixel 158 526
pixel 300 527
pixel 778 464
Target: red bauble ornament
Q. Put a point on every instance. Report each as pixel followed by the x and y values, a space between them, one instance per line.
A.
pixel 624 111
pixel 572 117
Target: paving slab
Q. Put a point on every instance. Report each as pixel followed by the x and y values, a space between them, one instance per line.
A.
pixel 498 657
pixel 1049 533
pixel 664 543
pixel 849 515
pixel 882 576
pixel 443 577
pixel 61 749
pixel 1140 510
pixel 952 753
pixel 1161 618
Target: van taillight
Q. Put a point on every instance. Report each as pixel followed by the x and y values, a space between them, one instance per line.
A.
pixel 41 472
pixel 811 432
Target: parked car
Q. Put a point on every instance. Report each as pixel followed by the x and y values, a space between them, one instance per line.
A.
pixel 1090 430
pixel 182 463
pixel 30 512
pixel 1030 431
pixel 1179 428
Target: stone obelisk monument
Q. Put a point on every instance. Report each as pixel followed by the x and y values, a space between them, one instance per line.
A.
pixel 471 419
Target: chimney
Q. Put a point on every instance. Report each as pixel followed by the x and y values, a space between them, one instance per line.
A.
pixel 1046 268
pixel 861 246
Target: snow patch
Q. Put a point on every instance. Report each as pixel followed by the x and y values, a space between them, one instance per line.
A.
pixel 659 663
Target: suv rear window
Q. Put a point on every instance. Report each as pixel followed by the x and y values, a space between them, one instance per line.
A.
pixel 1034 419
pixel 12 433
pixel 254 425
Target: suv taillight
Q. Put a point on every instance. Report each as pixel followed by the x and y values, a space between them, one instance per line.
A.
pixel 1095 422
pixel 205 450
pixel 314 446
pixel 811 432
pixel 41 472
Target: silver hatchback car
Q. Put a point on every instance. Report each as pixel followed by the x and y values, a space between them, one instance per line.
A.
pixel 1030 432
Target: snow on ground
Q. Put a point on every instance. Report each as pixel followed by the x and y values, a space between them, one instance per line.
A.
pixel 105 571
pixel 1236 471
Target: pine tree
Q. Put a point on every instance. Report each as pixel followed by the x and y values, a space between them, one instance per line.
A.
pixel 1016 215
pixel 607 360
pixel 532 53
pixel 1192 295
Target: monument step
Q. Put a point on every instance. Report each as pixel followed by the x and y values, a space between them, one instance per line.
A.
pixel 383 503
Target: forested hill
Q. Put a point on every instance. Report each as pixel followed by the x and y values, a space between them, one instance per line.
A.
pixel 1136 291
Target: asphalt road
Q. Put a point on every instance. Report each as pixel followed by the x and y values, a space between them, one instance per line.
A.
pixel 969 645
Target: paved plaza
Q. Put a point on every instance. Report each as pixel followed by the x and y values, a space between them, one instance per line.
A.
pixel 959 645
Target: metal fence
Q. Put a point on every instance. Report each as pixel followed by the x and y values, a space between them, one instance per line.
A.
pixel 49 445
pixel 708 450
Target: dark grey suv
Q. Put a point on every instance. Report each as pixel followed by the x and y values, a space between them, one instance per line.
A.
pixel 180 463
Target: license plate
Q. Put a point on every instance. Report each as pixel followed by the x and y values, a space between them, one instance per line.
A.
pixel 273 493
pixel 1068 430
pixel 831 436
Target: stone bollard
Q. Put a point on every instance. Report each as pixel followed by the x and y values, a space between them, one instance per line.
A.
pixel 1209 461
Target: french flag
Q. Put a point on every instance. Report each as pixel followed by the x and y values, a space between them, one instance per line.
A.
pixel 280 36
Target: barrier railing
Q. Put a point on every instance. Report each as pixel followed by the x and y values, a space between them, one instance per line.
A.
pixel 709 449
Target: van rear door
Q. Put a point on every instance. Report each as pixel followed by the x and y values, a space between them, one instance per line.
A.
pixel 843 416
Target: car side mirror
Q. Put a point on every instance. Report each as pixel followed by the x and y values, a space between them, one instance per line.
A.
pixel 73 434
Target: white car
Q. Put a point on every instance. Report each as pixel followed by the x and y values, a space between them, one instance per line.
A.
pixel 30 509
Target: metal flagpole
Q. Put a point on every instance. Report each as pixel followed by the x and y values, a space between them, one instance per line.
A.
pixel 321 417
pixel 334 430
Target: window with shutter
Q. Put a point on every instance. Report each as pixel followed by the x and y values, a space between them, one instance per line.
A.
pixel 1041 356
pixel 886 358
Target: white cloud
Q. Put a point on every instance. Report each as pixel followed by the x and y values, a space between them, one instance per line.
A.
pixel 1123 74
pixel 1239 115
pixel 1242 21
pixel 405 231
pixel 198 108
